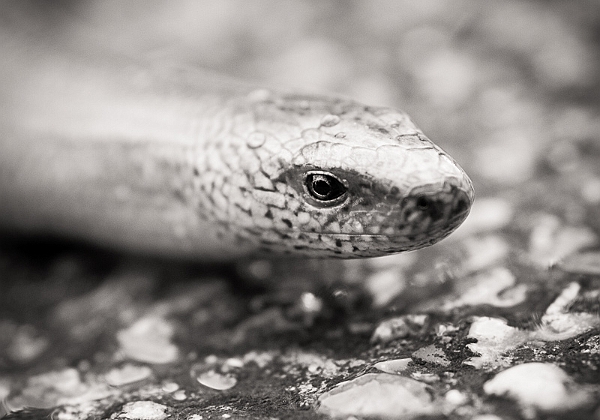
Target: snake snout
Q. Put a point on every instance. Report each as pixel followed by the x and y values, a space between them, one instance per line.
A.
pixel 434 209
pixel 459 206
pixel 429 217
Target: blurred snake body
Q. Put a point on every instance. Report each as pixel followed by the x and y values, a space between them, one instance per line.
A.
pixel 179 162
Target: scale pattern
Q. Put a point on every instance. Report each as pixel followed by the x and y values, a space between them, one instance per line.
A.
pixel 175 161
pixel 403 191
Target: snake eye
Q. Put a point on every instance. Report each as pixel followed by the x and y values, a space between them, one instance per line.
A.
pixel 325 188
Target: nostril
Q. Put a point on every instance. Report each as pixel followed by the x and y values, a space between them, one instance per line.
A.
pixel 423 203
pixel 433 208
pixel 461 206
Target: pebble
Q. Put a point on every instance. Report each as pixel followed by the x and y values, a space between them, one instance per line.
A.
pixel 486 417
pixel 455 397
pixel 310 306
pixel 170 387
pixel 377 395
pixel 494 337
pixel 143 410
pixel 432 354
pixel 315 364
pixel 148 340
pixel 399 327
pixel 234 362
pixel 558 323
pixel 127 374
pixel 396 366
pixel 538 386
pixel 216 380
pixel 261 359
pixel 426 377
pixel 179 395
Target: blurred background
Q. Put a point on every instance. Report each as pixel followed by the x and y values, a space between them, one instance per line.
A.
pixel 503 86
pixel 509 88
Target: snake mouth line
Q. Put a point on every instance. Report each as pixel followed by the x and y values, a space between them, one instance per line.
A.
pixel 448 228
pixel 452 224
pixel 378 236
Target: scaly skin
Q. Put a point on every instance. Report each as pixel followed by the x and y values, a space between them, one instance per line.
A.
pixel 182 163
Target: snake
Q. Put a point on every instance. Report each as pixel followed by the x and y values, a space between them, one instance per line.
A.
pixel 174 160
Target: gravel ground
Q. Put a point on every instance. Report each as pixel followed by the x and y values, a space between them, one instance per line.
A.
pixel 499 321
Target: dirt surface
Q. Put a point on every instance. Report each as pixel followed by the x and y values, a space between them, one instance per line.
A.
pixel 499 321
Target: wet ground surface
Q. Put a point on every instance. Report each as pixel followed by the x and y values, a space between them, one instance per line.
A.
pixel 499 321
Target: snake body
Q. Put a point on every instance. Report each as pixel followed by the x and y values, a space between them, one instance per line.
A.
pixel 180 162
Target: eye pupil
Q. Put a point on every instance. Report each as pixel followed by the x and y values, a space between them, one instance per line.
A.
pixel 321 187
pixel 423 203
pixel 324 188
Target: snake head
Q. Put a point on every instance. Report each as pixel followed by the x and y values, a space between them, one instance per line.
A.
pixel 338 178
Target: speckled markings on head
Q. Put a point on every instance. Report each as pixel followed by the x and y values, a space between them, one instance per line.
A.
pixel 183 163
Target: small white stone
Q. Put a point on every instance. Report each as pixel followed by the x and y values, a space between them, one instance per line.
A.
pixel 455 397
pixel 377 395
pixel 127 374
pixel 541 386
pixel 313 362
pixel 398 327
pixel 234 362
pixel 261 359
pixel 216 380
pixel 179 395
pixel 393 366
pixel 170 387
pixel 143 410
pixel 558 323
pixel 431 354
pixel 494 337
pixel 149 340
pixel 486 417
